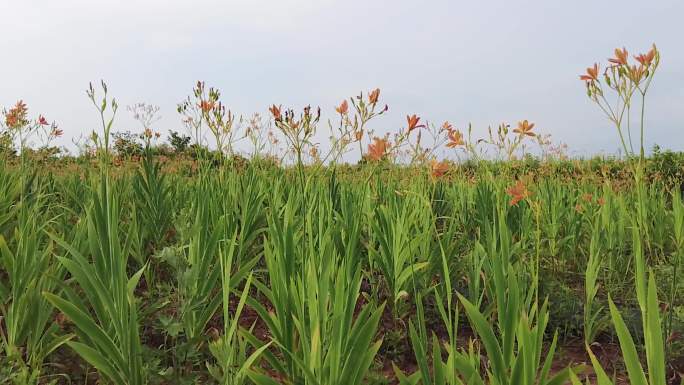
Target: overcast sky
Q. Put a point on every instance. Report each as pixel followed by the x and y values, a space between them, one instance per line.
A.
pixel 463 61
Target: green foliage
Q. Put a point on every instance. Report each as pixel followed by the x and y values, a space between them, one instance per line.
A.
pixel 31 269
pixel 240 274
pixel 154 206
pixel 106 313
pixel 179 142
pixel 209 267
pixel 127 144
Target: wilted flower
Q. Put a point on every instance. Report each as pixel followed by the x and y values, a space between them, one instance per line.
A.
pixel 439 168
pixel 377 149
pixel 213 334
pixel 413 122
pixel 358 135
pixel 620 56
pixel 587 197
pixel 517 192
pixel 42 121
pixel 524 128
pixel 373 96
pixel 343 108
pixel 601 201
pixel 56 132
pixel 61 320
pixel 592 73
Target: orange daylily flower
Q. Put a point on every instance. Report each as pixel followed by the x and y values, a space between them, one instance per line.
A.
pixel 620 57
pixel 373 96
pixel 377 149
pixel 517 192
pixel 455 139
pixel 16 116
pixel 10 120
pixel 343 108
pixel 592 73
pixel 587 197
pixel 438 169
pixel 275 111
pixel 646 59
pixel 524 128
pixel 206 105
pixel 413 122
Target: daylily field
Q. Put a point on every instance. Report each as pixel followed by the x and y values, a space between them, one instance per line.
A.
pixel 249 250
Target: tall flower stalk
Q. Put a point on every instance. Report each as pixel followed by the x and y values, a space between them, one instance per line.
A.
pixel 103 105
pixel 625 80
